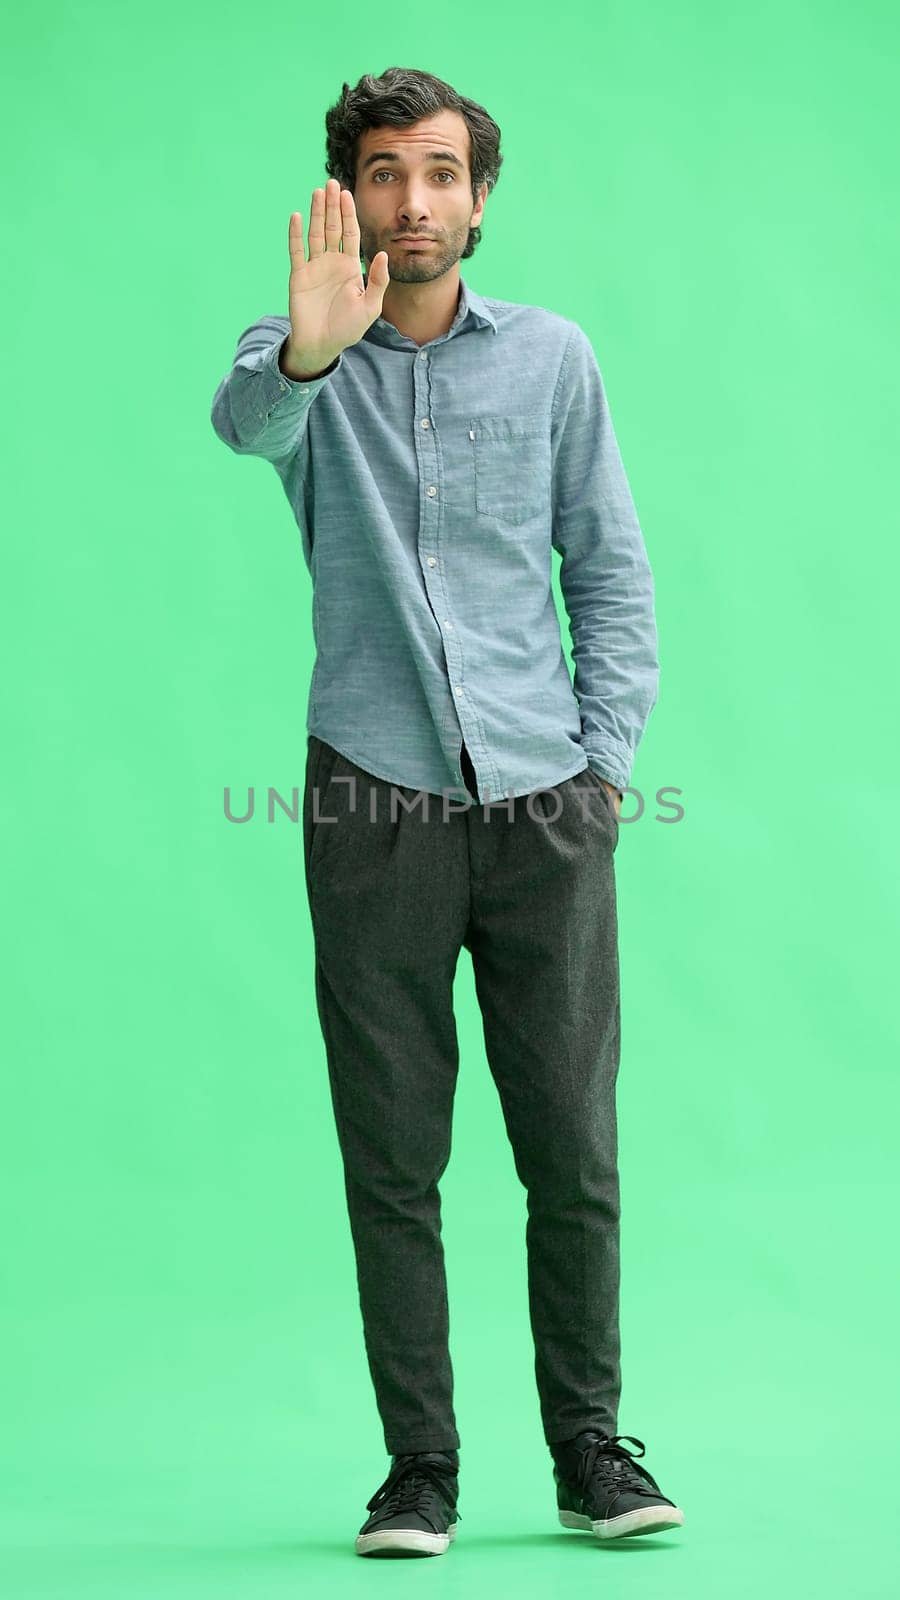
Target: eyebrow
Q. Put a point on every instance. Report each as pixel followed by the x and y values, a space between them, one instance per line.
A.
pixel 432 155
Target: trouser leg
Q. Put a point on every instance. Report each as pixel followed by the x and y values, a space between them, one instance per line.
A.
pixel 543 940
pixel 388 900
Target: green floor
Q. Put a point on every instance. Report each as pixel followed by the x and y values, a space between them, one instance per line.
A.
pixel 779 1522
pixel 205 1462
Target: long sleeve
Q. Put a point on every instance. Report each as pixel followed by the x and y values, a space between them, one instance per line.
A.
pixel 605 573
pixel 256 410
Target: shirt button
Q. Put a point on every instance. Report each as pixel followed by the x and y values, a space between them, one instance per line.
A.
pixel 448 622
pixel 431 561
pixel 457 690
pixel 431 490
pixel 422 354
pixel 425 422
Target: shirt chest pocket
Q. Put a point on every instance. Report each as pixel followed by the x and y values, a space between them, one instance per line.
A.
pixel 509 462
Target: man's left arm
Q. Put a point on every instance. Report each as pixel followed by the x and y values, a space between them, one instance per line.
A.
pixel 605 573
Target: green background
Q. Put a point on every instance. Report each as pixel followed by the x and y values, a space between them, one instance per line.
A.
pixel 186 1409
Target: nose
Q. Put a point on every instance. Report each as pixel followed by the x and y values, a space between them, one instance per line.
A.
pixel 412 212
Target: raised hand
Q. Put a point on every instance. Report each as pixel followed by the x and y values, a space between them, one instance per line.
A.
pixel 330 307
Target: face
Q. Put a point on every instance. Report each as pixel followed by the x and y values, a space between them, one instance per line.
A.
pixel 417 181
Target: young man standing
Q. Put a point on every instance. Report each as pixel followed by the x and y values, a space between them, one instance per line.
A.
pixel 435 446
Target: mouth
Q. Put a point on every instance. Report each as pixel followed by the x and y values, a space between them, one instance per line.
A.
pixel 414 239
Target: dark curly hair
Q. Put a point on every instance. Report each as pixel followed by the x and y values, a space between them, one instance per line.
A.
pixel 396 99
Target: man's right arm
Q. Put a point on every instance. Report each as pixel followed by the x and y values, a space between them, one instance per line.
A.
pixel 261 406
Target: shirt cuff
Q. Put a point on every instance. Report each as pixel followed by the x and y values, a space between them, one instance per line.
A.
pixel 610 759
pixel 274 385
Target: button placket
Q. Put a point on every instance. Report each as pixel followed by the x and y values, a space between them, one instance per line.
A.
pixel 437 594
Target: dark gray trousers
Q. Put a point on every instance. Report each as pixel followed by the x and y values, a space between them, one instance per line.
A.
pixel 394 894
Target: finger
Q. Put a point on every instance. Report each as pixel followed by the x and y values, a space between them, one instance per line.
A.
pixel 317 223
pixel 349 222
pixel 295 239
pixel 333 225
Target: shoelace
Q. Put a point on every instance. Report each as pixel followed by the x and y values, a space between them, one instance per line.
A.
pixel 405 1483
pixel 615 1467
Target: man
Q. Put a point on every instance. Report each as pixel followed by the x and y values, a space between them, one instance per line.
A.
pixel 435 446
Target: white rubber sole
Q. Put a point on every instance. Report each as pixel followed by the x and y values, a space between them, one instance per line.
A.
pixel 647 1519
pixel 415 1540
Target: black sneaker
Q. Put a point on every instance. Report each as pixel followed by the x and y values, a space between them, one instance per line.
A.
pixel 599 1486
pixel 415 1508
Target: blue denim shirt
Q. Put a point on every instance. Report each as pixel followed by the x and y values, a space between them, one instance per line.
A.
pixel 430 485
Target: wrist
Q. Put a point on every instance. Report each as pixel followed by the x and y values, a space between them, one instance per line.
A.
pixel 300 366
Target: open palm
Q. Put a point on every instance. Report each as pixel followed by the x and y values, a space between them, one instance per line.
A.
pixel 329 305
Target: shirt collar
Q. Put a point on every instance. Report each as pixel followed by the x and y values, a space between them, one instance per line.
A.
pixel 472 312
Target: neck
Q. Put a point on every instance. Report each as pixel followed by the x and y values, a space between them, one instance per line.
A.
pixel 422 311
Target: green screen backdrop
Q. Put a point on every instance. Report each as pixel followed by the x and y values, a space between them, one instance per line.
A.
pixel 711 193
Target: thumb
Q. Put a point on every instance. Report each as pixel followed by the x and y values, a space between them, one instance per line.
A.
pixel 378 278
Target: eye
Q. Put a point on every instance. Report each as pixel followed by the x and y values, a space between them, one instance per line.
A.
pixel 384 172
